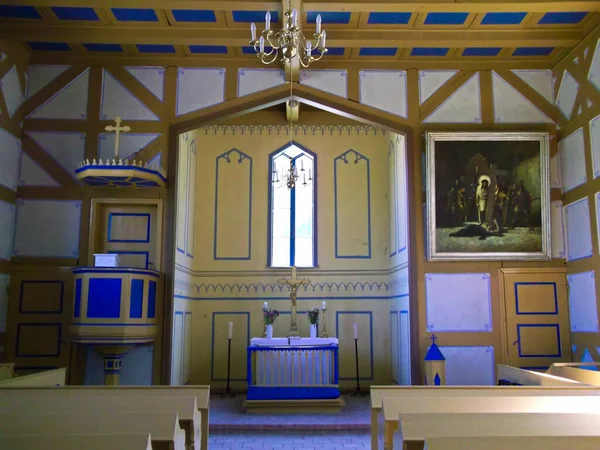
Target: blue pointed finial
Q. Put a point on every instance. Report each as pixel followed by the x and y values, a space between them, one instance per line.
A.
pixel 434 353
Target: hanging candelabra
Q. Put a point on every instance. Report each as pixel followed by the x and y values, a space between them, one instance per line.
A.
pixel 291 176
pixel 289 42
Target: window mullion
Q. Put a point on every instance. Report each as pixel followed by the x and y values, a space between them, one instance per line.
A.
pixel 292 226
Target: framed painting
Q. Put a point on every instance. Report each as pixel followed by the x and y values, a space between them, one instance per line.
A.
pixel 488 196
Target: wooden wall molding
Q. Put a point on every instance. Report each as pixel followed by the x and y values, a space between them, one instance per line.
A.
pixel 47 162
pixel 138 90
pixel 8 195
pixel 52 88
pixel 445 91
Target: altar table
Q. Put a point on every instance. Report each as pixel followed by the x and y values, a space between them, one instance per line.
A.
pixel 293 369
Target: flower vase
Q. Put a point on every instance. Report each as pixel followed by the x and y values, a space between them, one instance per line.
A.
pixel 313 330
pixel 269 331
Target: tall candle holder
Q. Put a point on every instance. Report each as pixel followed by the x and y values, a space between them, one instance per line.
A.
pixel 228 392
pixel 324 332
pixel 357 392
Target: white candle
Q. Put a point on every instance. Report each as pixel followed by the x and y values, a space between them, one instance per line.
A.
pixel 253 30
pixel 308 52
pixel 318 23
pixel 261 43
pixel 265 305
pixel 355 331
pixel 324 304
pixel 268 20
pixel 294 17
pixel 324 40
pixel 230 331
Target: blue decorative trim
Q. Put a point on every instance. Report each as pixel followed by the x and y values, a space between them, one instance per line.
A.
pixel 228 159
pixel 404 312
pixel 392 313
pixel 212 341
pixel 136 299
pixel 139 169
pixel 538 283
pixel 539 325
pixel 292 392
pixel 87 324
pixel 110 270
pixel 23 325
pixel 104 298
pixel 315 233
pixel 123 252
pixel 337 333
pixel 276 287
pixel 110 217
pixel 392 213
pixel 22 310
pixel 77 304
pixel 357 158
pixel 190 228
pixel 152 299
pixel 184 207
pixel 263 298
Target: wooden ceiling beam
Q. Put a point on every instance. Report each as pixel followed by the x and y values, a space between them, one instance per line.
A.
pixel 336 5
pixel 336 38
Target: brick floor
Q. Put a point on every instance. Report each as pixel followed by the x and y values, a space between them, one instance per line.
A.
pixel 289 440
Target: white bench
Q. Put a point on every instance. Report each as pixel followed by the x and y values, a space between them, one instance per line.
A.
pixel 185 407
pixel 163 427
pixel 395 410
pixel 577 373
pixel 514 443
pixel 419 427
pixel 50 378
pixel 531 378
pixel 202 394
pixel 378 393
pixel 77 442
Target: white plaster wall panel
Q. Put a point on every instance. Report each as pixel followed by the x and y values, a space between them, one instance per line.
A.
pixel 153 78
pixel 511 107
pixel 464 106
pixel 539 80
pixel 256 80
pixel 4 284
pixel 47 228
pixel 333 81
pixel 555 172
pixel 94 368
pixel 129 144
pixel 32 174
pixel 12 90
pixel 458 302
pixel 567 93
pixel 597 201
pixel 117 100
pixel 558 229
pixel 594 72
pixel 384 89
pixel 7 227
pixel 156 161
pixel 10 156
pixel 579 233
pixel 137 366
pixel 39 76
pixel 571 152
pixel 595 145
pixel 199 88
pixel 431 80
pixel 67 149
pixel 469 366
pixel 404 347
pixel 582 302
pixel 69 103
pixel 177 362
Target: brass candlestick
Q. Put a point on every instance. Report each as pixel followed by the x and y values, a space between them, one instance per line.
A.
pixel 324 332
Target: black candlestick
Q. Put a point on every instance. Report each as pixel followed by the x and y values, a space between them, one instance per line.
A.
pixel 228 392
pixel 357 392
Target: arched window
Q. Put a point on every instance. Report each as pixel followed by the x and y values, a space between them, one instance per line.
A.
pixel 292 207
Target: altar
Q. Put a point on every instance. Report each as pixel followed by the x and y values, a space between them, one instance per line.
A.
pixel 293 372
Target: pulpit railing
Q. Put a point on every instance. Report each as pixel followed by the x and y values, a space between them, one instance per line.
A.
pixel 288 372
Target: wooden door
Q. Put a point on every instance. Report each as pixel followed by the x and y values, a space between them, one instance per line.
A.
pixel 537 317
pixel 131 232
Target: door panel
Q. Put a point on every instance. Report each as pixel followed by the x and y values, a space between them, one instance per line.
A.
pixel 130 232
pixel 537 318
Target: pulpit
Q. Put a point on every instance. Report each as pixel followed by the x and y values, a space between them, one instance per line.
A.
pixel 293 374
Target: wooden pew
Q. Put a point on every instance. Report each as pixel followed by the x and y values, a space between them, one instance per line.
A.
pixel 416 428
pixel 51 378
pixel 7 371
pixel 530 378
pixel 202 394
pixel 77 442
pixel 395 409
pixel 577 373
pixel 378 393
pixel 185 407
pixel 515 443
pixel 163 428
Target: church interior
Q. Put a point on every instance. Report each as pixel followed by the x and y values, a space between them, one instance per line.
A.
pixel 319 207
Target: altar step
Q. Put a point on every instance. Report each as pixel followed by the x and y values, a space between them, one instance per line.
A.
pixel 320 406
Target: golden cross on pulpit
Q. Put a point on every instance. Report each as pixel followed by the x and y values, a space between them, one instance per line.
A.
pixel 294 283
pixel 118 128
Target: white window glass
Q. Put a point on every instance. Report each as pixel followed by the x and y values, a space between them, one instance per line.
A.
pixel 302 210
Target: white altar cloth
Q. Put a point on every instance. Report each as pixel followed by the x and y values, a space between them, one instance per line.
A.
pixel 293 341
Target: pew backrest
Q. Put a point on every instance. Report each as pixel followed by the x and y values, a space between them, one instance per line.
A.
pixel 50 378
pixel 590 377
pixel 77 442
pixel 514 443
pixel 530 378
